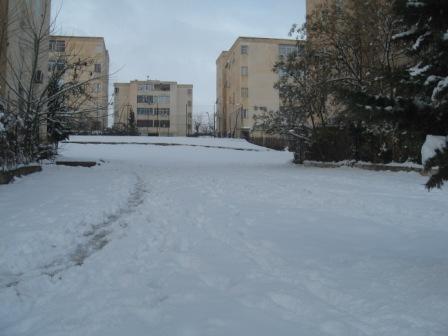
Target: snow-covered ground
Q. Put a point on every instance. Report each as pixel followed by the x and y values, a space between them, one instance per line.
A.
pixel 181 240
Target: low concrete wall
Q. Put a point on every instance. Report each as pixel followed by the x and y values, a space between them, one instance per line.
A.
pixel 366 166
pixel 7 176
pixel 85 164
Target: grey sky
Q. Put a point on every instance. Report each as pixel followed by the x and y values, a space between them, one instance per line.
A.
pixel 175 40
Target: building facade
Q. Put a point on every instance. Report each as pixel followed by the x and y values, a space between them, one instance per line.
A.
pixel 245 83
pixel 92 109
pixel 158 108
pixel 24 31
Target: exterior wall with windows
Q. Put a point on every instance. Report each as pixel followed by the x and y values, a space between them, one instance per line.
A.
pixel 19 20
pixel 160 108
pixel 93 51
pixel 245 83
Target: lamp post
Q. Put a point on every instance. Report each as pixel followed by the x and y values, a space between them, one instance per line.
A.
pixel 208 118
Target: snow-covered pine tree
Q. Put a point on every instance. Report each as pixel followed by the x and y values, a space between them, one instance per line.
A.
pixel 425 83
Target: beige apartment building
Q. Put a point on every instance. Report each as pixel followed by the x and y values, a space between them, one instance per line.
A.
pixel 24 30
pixel 245 83
pixel 92 52
pixel 160 108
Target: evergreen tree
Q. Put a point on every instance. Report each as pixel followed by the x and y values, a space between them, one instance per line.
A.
pixel 132 128
pixel 57 111
pixel 425 83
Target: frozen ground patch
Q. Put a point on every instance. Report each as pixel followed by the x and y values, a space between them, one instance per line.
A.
pixel 225 242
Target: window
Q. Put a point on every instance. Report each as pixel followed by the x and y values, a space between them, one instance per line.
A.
pixel 145 123
pixel 190 92
pixel 117 90
pixel 57 65
pixel 163 112
pixel 244 50
pixel 161 99
pixel 145 111
pixel 244 114
pixel 282 72
pixel 57 45
pixel 284 50
pixel 97 87
pixel 145 99
pixel 244 92
pixel 146 87
pixel 162 87
pixel 97 68
pixel 244 71
pixel 164 124
pixel 189 103
pixel 149 111
pixel 38 77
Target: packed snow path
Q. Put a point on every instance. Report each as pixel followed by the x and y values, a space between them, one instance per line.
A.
pixel 182 240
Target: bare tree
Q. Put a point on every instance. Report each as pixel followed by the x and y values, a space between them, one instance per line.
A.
pixel 344 75
pixel 35 102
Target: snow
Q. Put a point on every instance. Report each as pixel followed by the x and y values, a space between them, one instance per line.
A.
pixel 415 3
pixel 420 40
pixel 406 33
pixel 441 87
pixel 182 240
pixel 417 70
pixel 432 143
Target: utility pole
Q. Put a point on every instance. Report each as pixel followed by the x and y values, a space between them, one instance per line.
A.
pixel 147 111
pixel 158 122
pixel 186 119
pixel 214 120
pixel 236 119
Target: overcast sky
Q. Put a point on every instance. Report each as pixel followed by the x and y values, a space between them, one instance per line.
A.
pixel 175 40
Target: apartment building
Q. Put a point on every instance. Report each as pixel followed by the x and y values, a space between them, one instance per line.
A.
pixel 245 83
pixel 160 108
pixel 93 54
pixel 24 29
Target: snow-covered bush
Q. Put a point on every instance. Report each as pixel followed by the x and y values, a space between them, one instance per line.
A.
pixel 431 145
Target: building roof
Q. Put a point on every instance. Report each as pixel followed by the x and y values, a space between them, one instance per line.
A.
pixel 77 37
pixel 260 40
pixel 136 81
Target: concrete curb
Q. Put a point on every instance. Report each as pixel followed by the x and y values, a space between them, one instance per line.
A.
pixel 367 166
pixel 85 164
pixel 7 176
